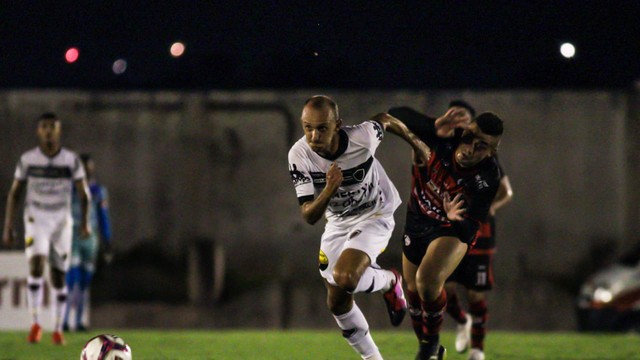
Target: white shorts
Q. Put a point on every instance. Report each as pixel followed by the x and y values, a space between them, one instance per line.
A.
pixel 49 236
pixel 370 236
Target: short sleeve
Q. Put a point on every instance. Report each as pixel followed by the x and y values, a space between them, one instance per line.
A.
pixel 21 171
pixel 77 170
pixel 300 176
pixel 369 134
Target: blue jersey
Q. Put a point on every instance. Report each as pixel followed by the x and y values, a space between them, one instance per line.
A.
pixel 98 212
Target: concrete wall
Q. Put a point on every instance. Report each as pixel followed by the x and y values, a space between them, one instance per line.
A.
pixel 187 165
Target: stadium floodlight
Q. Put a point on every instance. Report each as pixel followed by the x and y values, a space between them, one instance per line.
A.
pixel 72 55
pixel 119 66
pixel 177 49
pixel 568 50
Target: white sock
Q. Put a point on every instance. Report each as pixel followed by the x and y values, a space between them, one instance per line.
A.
pixel 355 330
pixel 59 305
pixel 373 280
pixel 35 290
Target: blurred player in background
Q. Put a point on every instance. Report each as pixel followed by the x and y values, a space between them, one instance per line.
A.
pixel 475 273
pixel 450 197
pixel 335 174
pixel 85 250
pixel 49 172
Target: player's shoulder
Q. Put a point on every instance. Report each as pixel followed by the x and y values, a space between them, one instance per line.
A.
pixel 299 149
pixel 500 168
pixel 364 126
pixel 489 175
pixel 31 153
pixel 66 152
pixel 364 130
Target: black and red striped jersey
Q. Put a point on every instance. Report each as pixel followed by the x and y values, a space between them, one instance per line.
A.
pixel 442 175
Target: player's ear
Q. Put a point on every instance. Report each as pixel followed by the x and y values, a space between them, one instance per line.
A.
pixel 338 124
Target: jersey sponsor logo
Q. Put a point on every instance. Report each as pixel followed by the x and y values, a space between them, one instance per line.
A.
pixel 28 241
pixel 357 210
pixel 297 176
pixel 50 186
pixel 323 261
pixel 51 172
pixel 480 182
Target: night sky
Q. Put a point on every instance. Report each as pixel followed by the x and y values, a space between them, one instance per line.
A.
pixel 327 44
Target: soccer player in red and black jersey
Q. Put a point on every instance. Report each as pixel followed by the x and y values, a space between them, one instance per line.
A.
pixel 475 273
pixel 450 197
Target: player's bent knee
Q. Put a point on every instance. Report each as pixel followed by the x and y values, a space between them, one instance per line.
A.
pixel 36 265
pixel 346 280
pixel 428 291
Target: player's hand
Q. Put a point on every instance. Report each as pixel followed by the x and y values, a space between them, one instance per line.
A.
pixel 8 237
pixel 454 208
pixel 334 178
pixel 85 231
pixel 421 154
pixel 454 118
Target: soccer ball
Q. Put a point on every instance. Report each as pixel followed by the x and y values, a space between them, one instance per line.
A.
pixel 106 347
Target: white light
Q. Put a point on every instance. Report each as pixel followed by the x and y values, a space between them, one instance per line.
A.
pixel 119 66
pixel 602 295
pixel 567 50
pixel 177 49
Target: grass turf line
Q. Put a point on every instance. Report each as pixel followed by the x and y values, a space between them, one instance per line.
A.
pixel 320 344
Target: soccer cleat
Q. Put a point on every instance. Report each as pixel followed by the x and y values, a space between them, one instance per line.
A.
pixel 395 301
pixel 426 353
pixel 57 338
pixel 35 334
pixel 81 328
pixel 476 354
pixel 463 335
pixel 65 327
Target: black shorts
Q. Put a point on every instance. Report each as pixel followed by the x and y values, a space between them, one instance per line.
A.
pixel 475 271
pixel 415 244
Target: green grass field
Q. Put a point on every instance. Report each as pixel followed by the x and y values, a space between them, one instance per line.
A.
pixel 296 344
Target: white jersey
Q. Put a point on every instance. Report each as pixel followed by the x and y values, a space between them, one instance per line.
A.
pixel 49 181
pixel 366 189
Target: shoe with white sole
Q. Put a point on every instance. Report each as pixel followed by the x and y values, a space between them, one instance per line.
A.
pixel 463 335
pixel 476 354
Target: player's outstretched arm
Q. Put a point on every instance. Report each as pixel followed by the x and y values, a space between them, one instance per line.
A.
pixel 15 194
pixel 397 127
pixel 85 199
pixel 312 211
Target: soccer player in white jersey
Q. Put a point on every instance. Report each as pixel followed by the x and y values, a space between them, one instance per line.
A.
pixel 335 174
pixel 48 174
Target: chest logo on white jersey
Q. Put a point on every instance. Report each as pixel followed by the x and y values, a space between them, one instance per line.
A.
pixel 352 176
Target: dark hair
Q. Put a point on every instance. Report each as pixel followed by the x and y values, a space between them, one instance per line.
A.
pixel 463 104
pixel 321 101
pixel 490 124
pixel 85 157
pixel 48 116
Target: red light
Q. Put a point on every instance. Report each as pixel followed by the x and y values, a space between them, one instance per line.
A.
pixel 72 55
